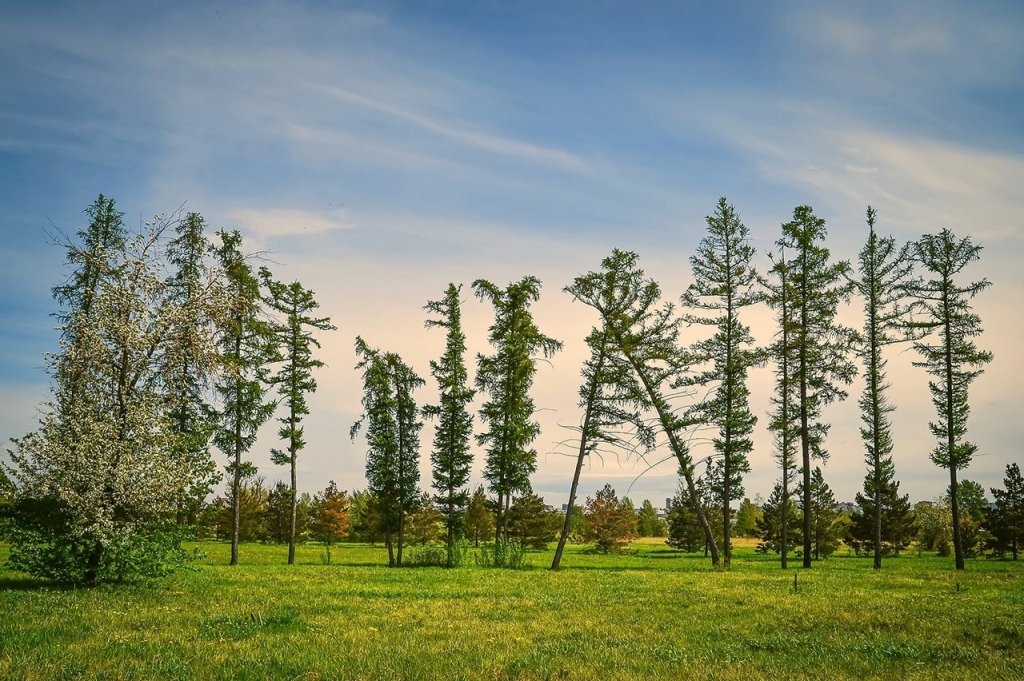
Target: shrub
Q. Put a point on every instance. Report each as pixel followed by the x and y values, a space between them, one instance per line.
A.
pixel 504 553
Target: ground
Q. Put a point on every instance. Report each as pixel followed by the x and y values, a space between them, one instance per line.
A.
pixel 648 613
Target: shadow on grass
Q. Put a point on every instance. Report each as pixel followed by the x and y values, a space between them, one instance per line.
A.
pixel 26 583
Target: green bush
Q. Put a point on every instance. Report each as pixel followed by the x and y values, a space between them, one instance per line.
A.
pixel 504 553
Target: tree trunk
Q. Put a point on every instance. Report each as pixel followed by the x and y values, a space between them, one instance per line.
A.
pixel 295 507
pixel 401 534
pixel 391 550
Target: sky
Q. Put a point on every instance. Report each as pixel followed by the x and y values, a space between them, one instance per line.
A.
pixel 380 150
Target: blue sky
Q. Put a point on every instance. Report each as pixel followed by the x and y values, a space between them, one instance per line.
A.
pixel 380 150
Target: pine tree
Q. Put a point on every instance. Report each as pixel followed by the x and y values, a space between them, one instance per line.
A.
pixel 769 525
pixel 724 283
pixel 294 341
pixel 479 518
pixel 648 522
pixel 530 522
pixel 646 337
pixel 746 518
pixel 898 524
pixel 610 395
pixel 451 459
pixel 884 274
pixel 955 361
pixel 190 287
pixel 506 377
pixel 392 433
pixel 684 528
pixel 245 349
pixel 1007 519
pixel 824 514
pixel 820 346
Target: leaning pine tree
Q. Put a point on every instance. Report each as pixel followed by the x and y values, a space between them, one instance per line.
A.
pixel 724 283
pixel 294 340
pixel 245 348
pixel 451 459
pixel 610 395
pixel 647 338
pixel 506 377
pixel 820 345
pixel 955 361
pixel 884 274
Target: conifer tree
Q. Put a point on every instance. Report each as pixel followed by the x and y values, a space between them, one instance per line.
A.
pixel 612 521
pixel 898 524
pixel 647 339
pixel 769 525
pixel 610 395
pixel 392 433
pixel 506 377
pixel 245 349
pixel 294 341
pixel 825 530
pixel 954 361
pixel 330 517
pixel 820 345
pixel 479 518
pixel 648 522
pixel 883 276
pixel 1006 521
pixel 724 283
pixel 783 425
pixel 451 459
pixel 190 285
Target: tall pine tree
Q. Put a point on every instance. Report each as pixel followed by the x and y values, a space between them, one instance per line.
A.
pixel 294 342
pixel 954 361
pixel 506 377
pixel 820 345
pixel 451 459
pixel 883 276
pixel 724 283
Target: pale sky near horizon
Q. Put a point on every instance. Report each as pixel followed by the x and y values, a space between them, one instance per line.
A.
pixel 382 149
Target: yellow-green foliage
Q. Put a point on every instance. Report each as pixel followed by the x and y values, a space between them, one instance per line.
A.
pixel 654 613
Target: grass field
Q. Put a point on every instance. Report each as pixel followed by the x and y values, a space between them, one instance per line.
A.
pixel 653 613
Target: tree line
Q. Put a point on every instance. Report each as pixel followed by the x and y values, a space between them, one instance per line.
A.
pixel 171 344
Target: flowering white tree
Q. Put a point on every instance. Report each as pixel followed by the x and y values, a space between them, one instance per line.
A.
pixel 97 484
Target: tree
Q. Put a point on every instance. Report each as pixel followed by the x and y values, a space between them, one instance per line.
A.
pixel 819 344
pixel 783 424
pixel 646 337
pixel 898 523
pixel 769 525
pixel 329 516
pixel 425 524
pixel 684 529
pixel 883 276
pixel 955 361
pixel 245 349
pixel 724 283
pixel 279 513
pixel 1006 521
pixel 451 459
pixel 190 287
pixel 506 376
pixel 392 433
pixel 479 517
pixel 98 482
pixel 252 511
pixel 826 531
pixel 648 523
pixel 295 341
pixel 610 394
pixel 365 520
pixel 612 522
pixel 531 522
pixel 746 518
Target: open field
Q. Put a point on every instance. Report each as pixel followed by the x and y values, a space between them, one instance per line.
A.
pixel 653 613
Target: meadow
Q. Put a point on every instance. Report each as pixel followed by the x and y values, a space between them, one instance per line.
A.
pixel 648 613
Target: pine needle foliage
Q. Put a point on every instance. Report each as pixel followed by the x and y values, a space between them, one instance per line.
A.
pixel 245 349
pixel 506 377
pixel 883 276
pixel 819 344
pixel 392 434
pixel 955 360
pixel 725 282
pixel 451 459
pixel 294 341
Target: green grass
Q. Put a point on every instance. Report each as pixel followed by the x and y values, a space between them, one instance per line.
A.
pixel 652 614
